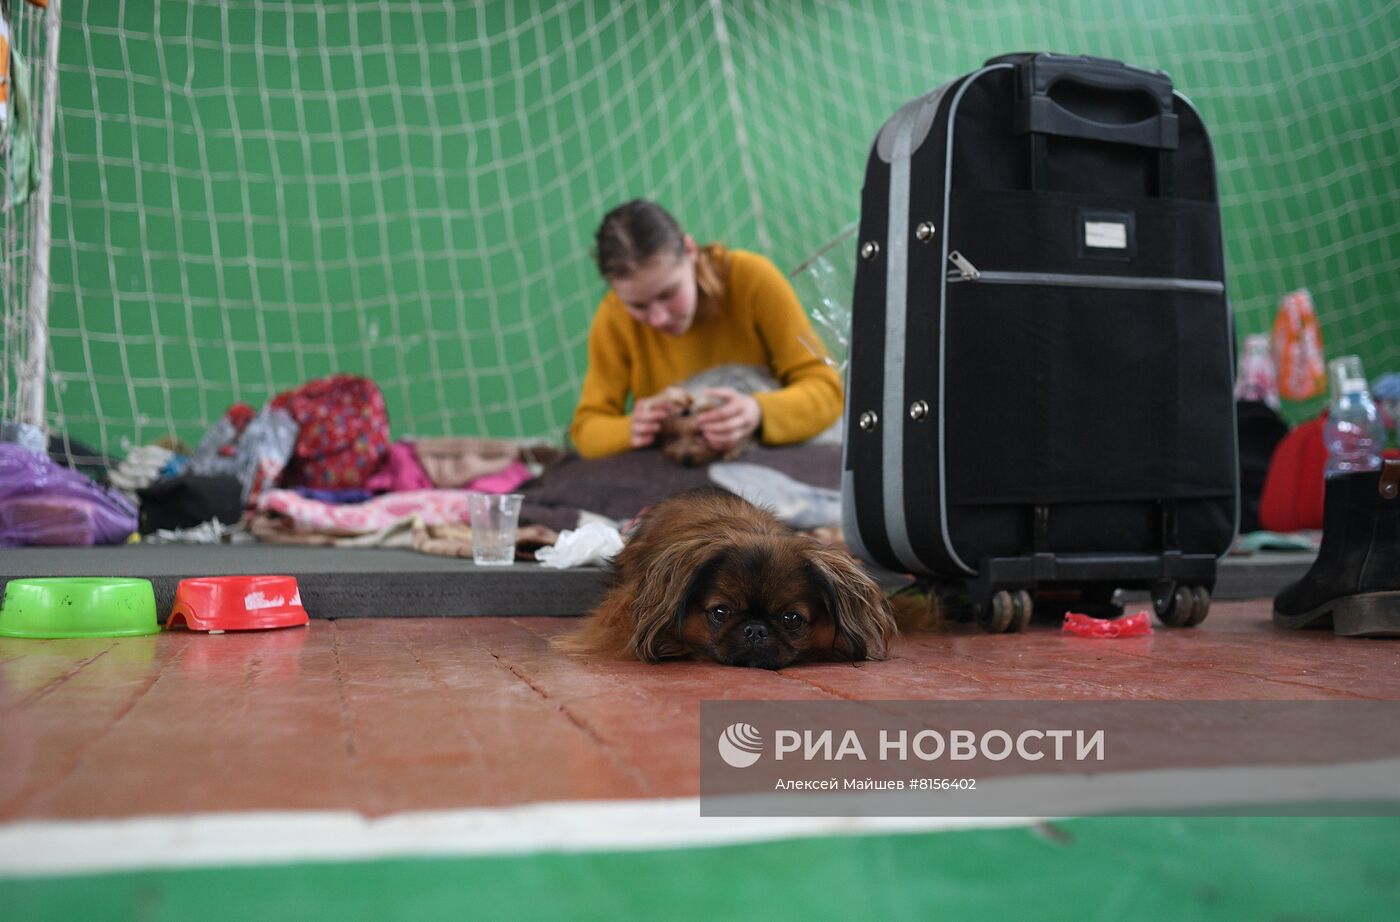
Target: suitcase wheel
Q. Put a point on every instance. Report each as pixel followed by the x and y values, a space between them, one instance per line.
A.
pixel 1183 606
pixel 1025 607
pixel 1006 612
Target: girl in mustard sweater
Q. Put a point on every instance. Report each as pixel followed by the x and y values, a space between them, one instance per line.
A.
pixel 676 309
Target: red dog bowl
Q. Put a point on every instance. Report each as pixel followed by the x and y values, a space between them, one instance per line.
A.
pixel 237 603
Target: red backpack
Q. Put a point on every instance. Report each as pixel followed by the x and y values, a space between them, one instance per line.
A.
pixel 344 432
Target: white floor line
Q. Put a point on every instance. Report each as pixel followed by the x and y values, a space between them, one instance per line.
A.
pixel 60 847
pixel 54 847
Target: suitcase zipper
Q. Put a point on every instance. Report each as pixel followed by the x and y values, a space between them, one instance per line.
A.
pixel 967 272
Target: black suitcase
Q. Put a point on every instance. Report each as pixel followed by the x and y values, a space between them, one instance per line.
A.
pixel 1039 398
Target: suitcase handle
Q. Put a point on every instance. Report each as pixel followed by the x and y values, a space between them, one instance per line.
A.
pixel 1094 98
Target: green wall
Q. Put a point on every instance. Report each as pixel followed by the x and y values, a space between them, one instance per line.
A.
pixel 248 195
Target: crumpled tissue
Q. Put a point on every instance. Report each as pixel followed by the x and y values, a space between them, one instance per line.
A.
pixel 590 545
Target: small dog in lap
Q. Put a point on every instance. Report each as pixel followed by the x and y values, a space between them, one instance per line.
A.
pixel 680 438
pixel 708 575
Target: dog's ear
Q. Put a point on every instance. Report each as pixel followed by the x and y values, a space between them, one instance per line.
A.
pixel 663 593
pixel 865 626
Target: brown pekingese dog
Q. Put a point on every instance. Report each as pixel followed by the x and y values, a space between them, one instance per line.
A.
pixel 711 576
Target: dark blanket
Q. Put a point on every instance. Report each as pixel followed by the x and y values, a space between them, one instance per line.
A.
pixel 621 486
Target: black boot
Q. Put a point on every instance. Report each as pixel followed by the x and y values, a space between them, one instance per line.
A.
pixel 1354 585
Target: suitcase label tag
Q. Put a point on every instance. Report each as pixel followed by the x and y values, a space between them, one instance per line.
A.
pixel 1106 235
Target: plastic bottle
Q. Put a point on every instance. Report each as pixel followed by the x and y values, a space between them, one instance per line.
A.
pixel 1256 378
pixel 1354 433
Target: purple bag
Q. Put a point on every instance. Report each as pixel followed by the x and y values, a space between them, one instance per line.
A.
pixel 45 503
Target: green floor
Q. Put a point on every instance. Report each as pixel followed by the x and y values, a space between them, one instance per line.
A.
pixel 1112 869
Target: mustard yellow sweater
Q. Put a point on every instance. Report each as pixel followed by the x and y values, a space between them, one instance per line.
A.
pixel 758 322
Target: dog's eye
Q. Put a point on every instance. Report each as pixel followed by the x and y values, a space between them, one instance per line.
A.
pixel 793 620
pixel 720 612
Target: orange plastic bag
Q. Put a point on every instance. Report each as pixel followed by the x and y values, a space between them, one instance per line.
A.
pixel 1297 344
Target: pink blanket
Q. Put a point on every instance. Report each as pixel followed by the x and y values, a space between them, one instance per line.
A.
pixel 435 507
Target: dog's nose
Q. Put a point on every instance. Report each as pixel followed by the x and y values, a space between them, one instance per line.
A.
pixel 756 632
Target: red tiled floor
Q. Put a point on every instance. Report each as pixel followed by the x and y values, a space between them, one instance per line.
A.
pixel 394 714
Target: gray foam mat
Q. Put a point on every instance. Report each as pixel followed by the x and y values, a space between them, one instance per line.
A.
pixel 382 583
pixel 334 582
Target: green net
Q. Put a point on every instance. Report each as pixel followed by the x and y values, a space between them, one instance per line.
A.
pixel 251 195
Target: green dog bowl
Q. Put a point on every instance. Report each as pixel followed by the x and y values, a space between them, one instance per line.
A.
pixel 82 606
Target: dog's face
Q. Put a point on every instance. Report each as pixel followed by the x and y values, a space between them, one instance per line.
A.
pixel 681 439
pixel 708 575
pixel 767 603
